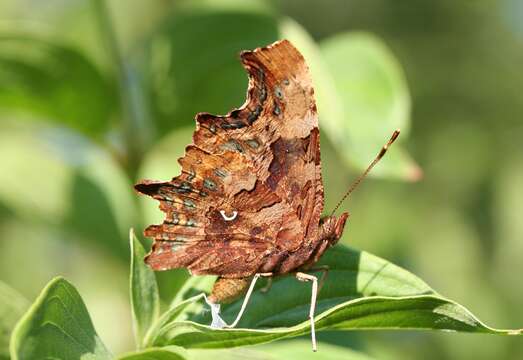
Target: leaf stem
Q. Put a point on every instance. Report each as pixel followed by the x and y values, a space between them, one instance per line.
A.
pixel 137 131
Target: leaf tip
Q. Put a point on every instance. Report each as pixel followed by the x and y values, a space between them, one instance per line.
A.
pixel 415 173
pixel 134 243
pixel 56 280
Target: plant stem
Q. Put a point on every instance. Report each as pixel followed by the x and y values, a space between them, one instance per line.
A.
pixel 137 130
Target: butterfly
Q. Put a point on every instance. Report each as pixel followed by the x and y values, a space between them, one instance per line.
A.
pixel 249 200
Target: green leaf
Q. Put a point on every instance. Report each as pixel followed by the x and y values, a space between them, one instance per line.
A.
pixel 145 301
pixel 12 307
pixel 361 292
pixel 165 353
pixel 55 82
pixel 57 325
pixel 375 100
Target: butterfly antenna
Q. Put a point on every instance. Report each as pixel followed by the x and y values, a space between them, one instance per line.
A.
pixel 355 184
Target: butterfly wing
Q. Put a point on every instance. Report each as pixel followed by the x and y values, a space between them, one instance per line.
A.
pixel 250 188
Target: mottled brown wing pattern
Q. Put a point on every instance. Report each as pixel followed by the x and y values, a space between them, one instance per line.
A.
pixel 260 163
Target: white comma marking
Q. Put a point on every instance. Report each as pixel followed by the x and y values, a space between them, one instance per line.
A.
pixel 229 218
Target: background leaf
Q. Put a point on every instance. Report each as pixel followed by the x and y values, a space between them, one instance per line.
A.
pixel 54 81
pixel 12 306
pixel 362 292
pixel 145 300
pixel 375 101
pixel 57 325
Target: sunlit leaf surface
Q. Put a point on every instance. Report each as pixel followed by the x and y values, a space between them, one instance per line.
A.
pixel 375 101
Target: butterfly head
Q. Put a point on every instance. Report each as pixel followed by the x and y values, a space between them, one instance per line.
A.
pixel 331 227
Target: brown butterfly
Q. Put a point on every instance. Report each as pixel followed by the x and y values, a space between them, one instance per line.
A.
pixel 249 200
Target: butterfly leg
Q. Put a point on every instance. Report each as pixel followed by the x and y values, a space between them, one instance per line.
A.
pixel 306 277
pixel 247 296
pixel 324 273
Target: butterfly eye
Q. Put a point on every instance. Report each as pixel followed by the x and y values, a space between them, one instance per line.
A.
pixel 229 218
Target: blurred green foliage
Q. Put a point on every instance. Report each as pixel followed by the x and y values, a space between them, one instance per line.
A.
pixel 71 145
pixel 50 80
pixel 12 307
